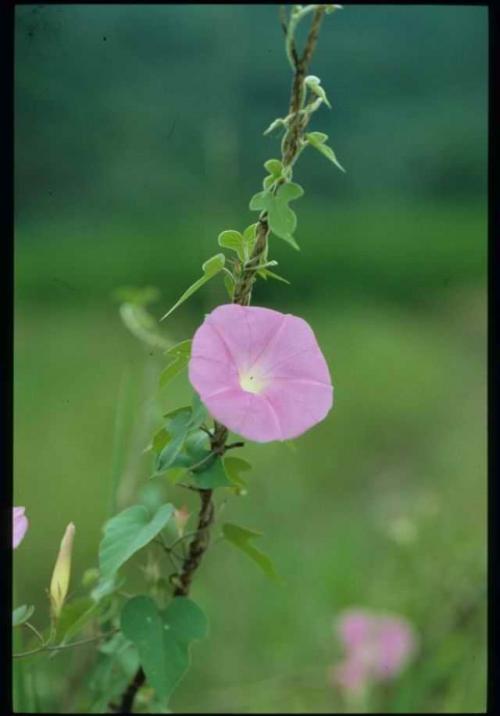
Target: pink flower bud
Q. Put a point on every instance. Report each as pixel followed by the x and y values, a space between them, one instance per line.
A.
pixel 20 525
pixel 181 517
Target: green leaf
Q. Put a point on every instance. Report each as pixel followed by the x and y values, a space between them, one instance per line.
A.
pixel 199 413
pixel 21 614
pixel 180 349
pixel 179 358
pixel 212 475
pixel 163 638
pixel 282 219
pixel 229 284
pixel 289 191
pixel 176 411
pixel 127 533
pixel 153 495
pixel 178 429
pixel 274 167
pixel 171 370
pixel 317 137
pixel 74 616
pixel 211 268
pixel 213 265
pixel 105 587
pixel 279 122
pixel 259 201
pixel 241 537
pixel 160 439
pixel 232 239
pixel 314 84
pixel 116 663
pixel 249 237
pixel 319 144
pixel 234 466
pixel 249 233
pixel 276 276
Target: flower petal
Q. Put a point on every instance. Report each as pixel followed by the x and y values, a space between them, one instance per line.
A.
pixel 20 525
pixel 260 372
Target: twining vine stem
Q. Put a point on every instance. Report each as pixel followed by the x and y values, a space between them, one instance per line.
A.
pixel 291 147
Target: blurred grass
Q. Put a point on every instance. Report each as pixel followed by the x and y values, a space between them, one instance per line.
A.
pixel 382 505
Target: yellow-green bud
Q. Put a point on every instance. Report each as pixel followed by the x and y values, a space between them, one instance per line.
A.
pixel 60 577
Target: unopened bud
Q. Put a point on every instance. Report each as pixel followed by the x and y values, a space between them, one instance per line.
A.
pixel 181 519
pixel 60 577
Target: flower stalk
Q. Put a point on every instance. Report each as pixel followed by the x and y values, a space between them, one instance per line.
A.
pixel 291 147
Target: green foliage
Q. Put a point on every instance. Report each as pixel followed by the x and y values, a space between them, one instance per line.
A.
pixel 178 356
pixel 196 456
pixel 276 172
pixel 249 237
pixel 163 638
pixel 229 283
pixel 187 446
pixel 265 274
pixel 211 268
pixel 212 475
pixel 116 663
pixel 74 616
pixel 314 84
pixel 105 587
pixel 21 614
pixel 241 537
pixel 317 140
pixel 233 240
pixel 240 243
pixel 279 122
pixel 234 466
pixel 127 533
pixel 282 220
pixel 178 426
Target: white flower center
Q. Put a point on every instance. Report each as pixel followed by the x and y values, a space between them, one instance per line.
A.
pixel 252 382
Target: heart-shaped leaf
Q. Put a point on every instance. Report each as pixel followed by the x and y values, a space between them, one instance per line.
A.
pixel 282 220
pixel 127 533
pixel 163 638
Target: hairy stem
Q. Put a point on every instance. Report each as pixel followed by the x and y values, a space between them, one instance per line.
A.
pixel 291 147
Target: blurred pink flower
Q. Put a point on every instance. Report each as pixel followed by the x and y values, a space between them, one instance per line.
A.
pixel 20 525
pixel 260 372
pixel 377 648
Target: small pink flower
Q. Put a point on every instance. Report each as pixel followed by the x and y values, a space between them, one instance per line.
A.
pixel 20 525
pixel 260 372
pixel 378 647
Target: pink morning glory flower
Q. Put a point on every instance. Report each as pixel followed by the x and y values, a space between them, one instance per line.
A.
pixel 377 648
pixel 20 525
pixel 260 372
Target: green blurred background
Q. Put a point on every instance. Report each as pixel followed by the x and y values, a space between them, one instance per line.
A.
pixel 139 139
